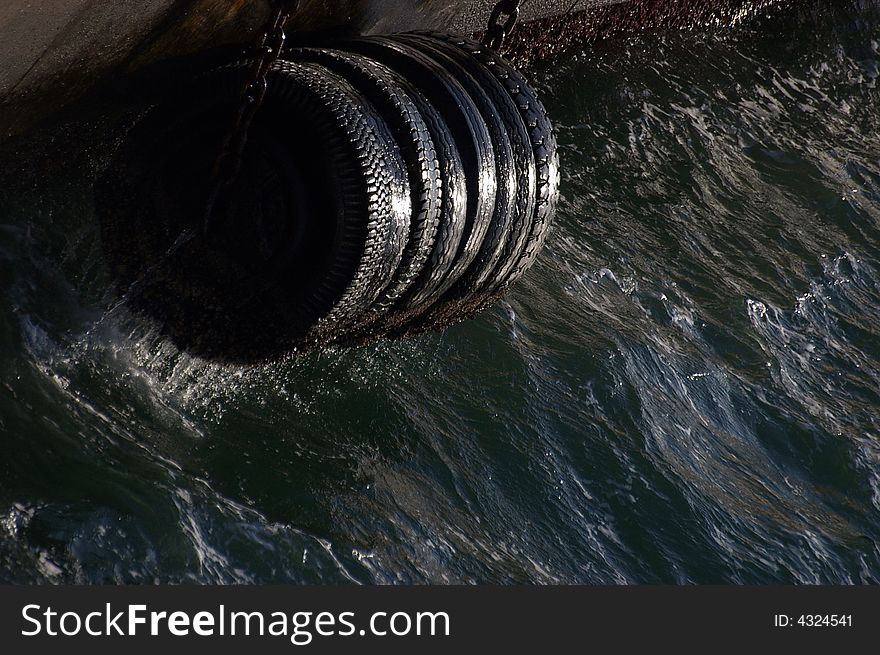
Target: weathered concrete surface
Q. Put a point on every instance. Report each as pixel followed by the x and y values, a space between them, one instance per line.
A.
pixel 459 16
pixel 64 43
pixel 53 52
pixel 550 36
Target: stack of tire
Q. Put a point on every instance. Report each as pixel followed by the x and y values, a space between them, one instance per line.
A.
pixel 419 174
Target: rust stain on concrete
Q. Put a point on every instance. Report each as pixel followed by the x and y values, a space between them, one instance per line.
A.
pixel 190 27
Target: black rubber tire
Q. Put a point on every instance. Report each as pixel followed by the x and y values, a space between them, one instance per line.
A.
pixel 374 212
pixel 451 232
pixel 461 115
pixel 362 206
pixel 515 165
pixel 544 147
pixel 385 90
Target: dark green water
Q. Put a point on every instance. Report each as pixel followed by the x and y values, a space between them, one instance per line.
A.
pixel 685 388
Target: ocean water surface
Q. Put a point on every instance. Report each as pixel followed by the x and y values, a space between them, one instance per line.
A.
pixel 684 389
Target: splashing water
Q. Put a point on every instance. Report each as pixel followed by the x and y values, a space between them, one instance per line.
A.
pixel 684 389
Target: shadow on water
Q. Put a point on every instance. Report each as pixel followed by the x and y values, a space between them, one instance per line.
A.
pixel 684 388
pixel 223 287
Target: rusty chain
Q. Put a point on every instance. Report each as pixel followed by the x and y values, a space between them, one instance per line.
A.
pixel 253 91
pixel 501 23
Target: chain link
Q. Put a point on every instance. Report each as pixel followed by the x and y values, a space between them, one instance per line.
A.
pixel 501 23
pixel 253 91
pixel 228 163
